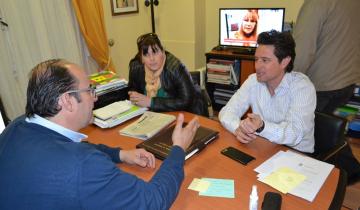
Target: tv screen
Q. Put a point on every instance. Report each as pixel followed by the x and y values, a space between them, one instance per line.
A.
pixel 239 27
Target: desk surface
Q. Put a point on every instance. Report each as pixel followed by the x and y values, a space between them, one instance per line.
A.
pixel 209 163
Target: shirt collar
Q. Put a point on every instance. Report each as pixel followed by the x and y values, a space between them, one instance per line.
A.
pixel 74 136
pixel 284 84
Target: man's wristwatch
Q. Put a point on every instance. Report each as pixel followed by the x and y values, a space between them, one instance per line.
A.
pixel 261 128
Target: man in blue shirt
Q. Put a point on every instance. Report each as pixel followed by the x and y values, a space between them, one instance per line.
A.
pixel 44 165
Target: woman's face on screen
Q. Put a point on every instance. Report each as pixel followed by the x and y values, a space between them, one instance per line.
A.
pixel 249 22
pixel 248 25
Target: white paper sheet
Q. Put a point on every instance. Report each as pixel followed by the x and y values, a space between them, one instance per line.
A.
pixel 315 171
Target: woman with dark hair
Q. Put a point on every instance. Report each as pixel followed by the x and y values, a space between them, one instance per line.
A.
pixel 160 81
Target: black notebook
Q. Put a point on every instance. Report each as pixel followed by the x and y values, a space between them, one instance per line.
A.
pixel 160 144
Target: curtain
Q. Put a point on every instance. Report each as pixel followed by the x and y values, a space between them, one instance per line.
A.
pixel 45 29
pixel 90 16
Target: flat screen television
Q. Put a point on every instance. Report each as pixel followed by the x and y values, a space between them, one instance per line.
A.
pixel 239 27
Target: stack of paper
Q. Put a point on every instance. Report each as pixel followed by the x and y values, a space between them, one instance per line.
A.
pixel 111 110
pixel 116 113
pixel 294 173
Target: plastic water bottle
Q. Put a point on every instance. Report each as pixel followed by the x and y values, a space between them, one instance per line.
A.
pixel 253 204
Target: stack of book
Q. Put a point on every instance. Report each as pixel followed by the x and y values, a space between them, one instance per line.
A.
pixel 116 113
pixel 107 81
pixel 223 71
pixel 222 96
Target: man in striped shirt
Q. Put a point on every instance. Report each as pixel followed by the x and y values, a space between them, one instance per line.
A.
pixel 282 102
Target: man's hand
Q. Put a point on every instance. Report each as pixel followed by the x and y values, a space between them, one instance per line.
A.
pixel 244 137
pixel 138 156
pixel 251 123
pixel 245 133
pixel 139 99
pixel 256 120
pixel 183 137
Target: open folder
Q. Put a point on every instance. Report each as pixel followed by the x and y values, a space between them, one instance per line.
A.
pixel 160 144
pixel 149 124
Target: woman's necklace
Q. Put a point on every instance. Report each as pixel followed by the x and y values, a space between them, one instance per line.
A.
pixel 153 79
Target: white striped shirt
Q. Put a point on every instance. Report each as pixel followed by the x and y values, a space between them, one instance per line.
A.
pixel 288 114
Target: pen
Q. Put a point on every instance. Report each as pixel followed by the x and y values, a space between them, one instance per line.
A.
pixel 142 119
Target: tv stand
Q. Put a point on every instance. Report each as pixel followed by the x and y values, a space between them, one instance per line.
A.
pixel 244 51
pixel 218 48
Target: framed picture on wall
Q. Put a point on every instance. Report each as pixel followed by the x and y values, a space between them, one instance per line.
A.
pixel 121 7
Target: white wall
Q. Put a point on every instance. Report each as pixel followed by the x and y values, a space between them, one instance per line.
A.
pixel 187 28
pixel 212 17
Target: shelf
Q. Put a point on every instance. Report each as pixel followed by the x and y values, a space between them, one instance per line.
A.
pixel 246 68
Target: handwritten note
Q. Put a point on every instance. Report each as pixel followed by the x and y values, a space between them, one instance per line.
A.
pixel 284 179
pixel 199 185
pixel 219 188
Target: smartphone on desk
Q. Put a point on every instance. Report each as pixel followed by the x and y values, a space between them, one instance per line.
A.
pixel 237 155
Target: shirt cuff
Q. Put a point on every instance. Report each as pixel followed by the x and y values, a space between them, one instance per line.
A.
pixel 115 154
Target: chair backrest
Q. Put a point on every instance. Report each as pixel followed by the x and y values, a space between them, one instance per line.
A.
pixel 195 75
pixel 329 134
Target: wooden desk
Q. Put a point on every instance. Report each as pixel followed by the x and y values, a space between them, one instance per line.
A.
pixel 210 163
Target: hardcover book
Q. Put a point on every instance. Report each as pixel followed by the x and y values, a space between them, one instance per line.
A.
pixel 160 144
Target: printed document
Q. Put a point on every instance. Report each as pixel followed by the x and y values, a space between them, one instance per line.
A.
pixel 314 170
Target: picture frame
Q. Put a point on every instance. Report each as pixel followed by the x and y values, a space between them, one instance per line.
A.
pixel 121 7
